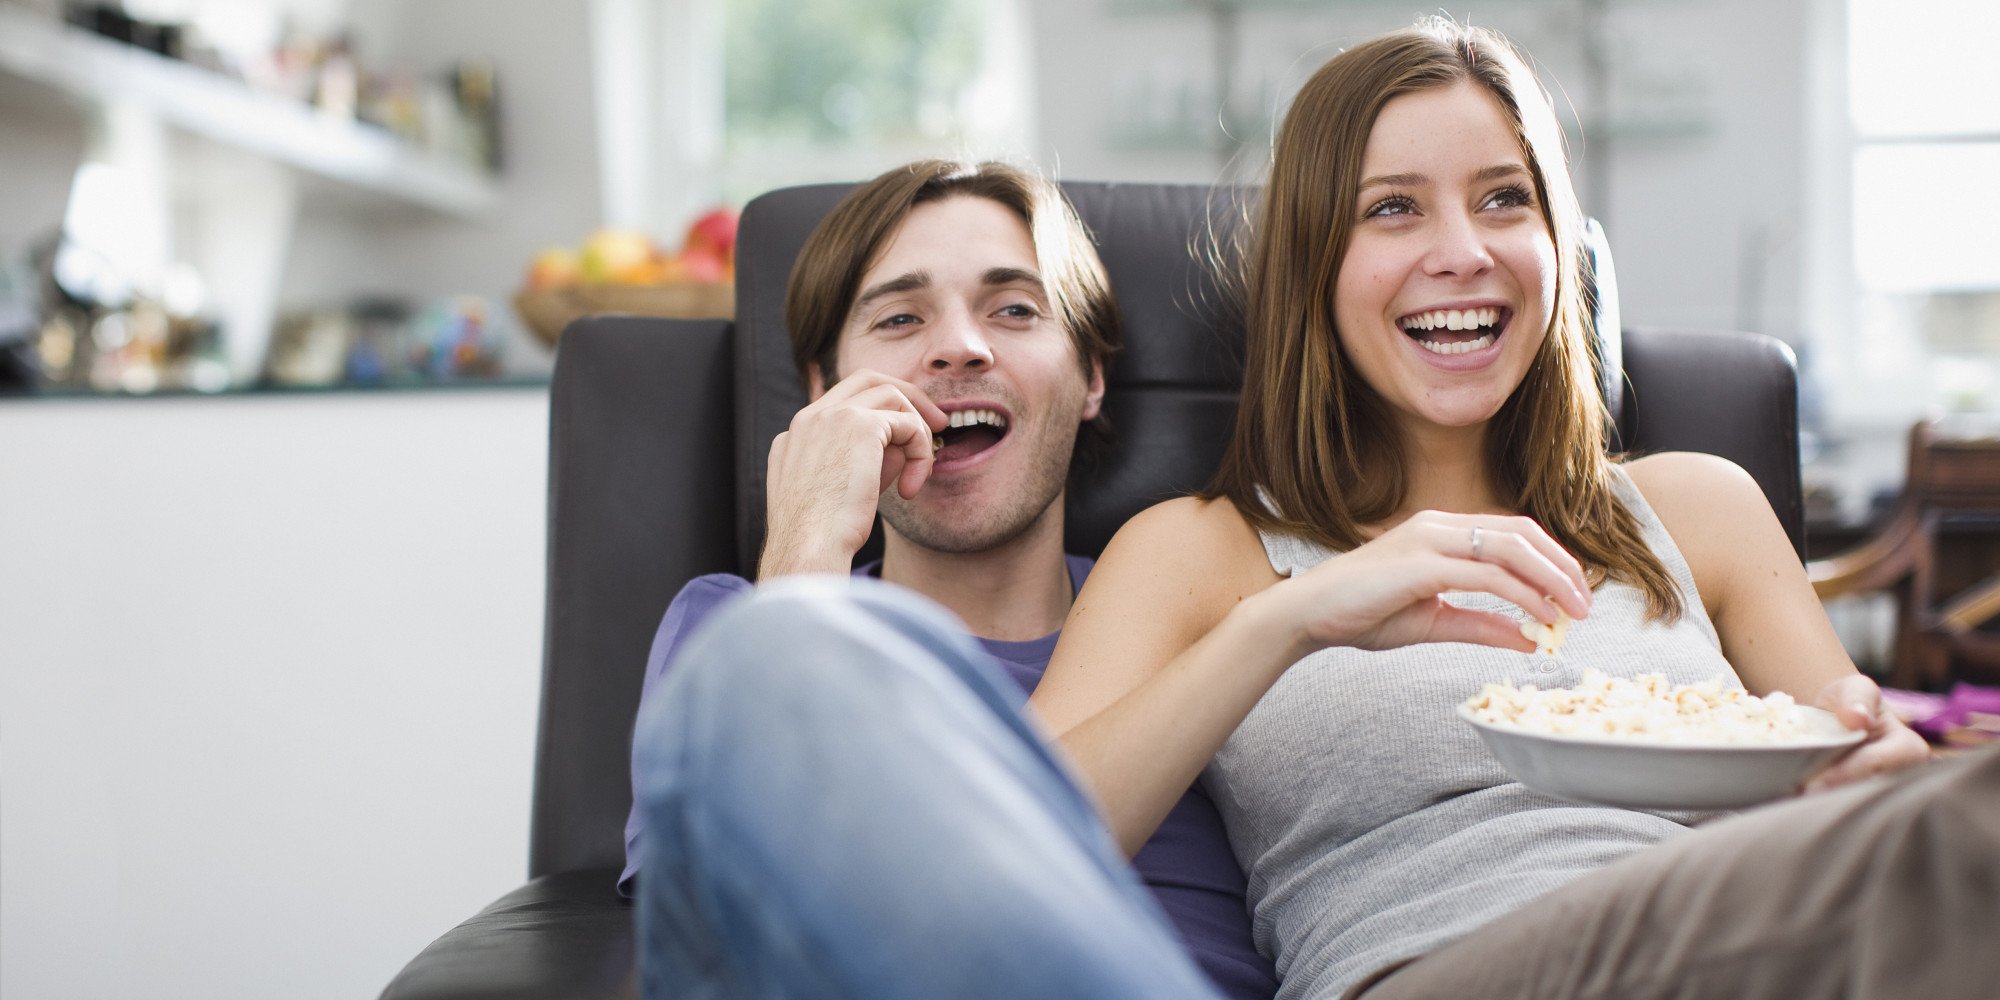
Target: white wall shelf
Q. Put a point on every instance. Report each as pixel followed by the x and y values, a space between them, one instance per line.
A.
pixel 90 70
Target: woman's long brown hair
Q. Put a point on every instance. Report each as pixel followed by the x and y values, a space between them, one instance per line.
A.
pixel 1317 453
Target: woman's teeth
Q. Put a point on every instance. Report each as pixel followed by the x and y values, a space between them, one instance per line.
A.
pixel 1465 347
pixel 1453 319
pixel 1452 325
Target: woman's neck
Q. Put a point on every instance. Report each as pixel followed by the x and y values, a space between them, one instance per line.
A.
pixel 1445 468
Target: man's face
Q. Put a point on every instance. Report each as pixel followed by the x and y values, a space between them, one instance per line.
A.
pixel 956 305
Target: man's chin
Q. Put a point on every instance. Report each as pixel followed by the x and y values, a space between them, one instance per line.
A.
pixel 960 535
pixel 952 539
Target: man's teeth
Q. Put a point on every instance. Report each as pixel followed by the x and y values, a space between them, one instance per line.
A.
pixel 968 418
pixel 971 418
pixel 1466 347
pixel 1453 319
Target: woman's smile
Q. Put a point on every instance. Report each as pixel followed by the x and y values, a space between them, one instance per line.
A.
pixel 1458 339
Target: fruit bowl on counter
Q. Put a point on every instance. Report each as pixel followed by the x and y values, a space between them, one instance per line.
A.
pixel 619 271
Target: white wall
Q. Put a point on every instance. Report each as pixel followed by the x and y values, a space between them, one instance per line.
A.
pixel 268 686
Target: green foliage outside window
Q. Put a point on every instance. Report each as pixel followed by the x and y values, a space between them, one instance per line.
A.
pixel 802 73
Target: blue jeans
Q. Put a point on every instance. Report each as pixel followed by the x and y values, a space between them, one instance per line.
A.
pixel 845 799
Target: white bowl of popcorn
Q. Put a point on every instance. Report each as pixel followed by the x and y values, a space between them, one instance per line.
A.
pixel 1646 743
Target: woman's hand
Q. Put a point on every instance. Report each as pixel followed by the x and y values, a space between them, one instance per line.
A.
pixel 1386 593
pixel 1890 746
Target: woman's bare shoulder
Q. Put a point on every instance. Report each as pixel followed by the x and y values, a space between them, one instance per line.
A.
pixel 1189 558
pixel 1698 489
pixel 1187 529
pixel 1719 518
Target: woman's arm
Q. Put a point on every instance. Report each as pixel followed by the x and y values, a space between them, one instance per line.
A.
pixel 1167 580
pixel 1772 626
pixel 1183 626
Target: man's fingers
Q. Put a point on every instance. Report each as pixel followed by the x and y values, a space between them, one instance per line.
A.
pixel 908 455
pixel 874 389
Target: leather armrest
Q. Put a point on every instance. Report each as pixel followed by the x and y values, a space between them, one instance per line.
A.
pixel 566 935
pixel 641 497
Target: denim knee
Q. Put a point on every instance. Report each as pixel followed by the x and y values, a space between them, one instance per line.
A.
pixel 813 640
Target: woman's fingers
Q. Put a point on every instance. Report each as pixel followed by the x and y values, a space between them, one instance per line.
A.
pixel 1894 748
pixel 1519 551
pixel 1456 624
pixel 1857 702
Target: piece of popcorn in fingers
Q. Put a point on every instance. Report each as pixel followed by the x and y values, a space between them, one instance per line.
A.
pixel 1548 638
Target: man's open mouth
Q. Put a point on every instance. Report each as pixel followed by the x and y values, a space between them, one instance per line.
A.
pixel 971 432
pixel 1455 331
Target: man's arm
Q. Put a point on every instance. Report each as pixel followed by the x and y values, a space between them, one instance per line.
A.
pixel 695 604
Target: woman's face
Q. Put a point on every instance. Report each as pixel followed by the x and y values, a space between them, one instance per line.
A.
pixel 1449 281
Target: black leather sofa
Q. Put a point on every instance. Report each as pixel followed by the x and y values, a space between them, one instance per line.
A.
pixel 658 435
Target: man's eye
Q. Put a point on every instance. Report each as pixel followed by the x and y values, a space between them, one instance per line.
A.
pixel 897 320
pixel 1393 205
pixel 1020 310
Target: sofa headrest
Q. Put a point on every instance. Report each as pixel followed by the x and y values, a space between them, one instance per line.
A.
pixel 1171 394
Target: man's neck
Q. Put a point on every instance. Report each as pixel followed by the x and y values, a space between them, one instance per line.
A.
pixel 1018 591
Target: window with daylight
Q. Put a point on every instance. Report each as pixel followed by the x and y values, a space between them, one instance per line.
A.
pixel 819 90
pixel 706 101
pixel 1926 154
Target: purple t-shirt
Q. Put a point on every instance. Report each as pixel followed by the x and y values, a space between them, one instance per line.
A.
pixel 1187 863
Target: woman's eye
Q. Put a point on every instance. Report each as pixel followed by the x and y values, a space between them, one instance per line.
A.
pixel 1392 205
pixel 1512 196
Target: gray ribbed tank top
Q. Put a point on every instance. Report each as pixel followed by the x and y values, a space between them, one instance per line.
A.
pixel 1373 823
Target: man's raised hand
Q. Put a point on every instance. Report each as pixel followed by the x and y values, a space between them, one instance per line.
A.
pixel 828 468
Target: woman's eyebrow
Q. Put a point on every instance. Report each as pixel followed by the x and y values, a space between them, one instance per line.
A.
pixel 1395 180
pixel 1484 174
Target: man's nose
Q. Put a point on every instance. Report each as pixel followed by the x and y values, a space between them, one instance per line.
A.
pixel 958 342
pixel 1458 246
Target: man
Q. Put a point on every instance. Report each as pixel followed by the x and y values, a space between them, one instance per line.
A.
pixel 952 324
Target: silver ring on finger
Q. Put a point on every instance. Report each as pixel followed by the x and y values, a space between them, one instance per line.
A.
pixel 1475 545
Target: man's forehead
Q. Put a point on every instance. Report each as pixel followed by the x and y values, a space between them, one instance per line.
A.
pixel 958 238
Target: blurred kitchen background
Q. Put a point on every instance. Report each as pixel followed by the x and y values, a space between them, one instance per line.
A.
pixel 273 423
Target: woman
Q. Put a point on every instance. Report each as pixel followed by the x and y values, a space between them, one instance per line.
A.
pixel 1418 470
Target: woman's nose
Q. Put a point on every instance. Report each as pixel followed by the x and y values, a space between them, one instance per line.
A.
pixel 1458 247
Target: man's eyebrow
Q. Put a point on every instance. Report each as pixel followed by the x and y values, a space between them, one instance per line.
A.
pixel 1011 275
pixel 894 286
pixel 1494 172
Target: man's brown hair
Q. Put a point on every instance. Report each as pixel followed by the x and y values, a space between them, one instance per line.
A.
pixel 1316 451
pixel 828 274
